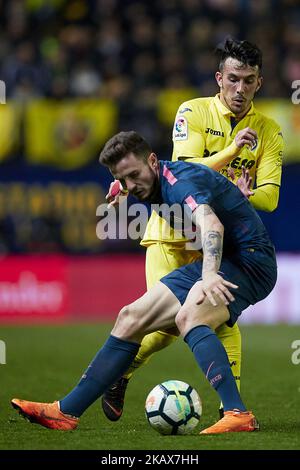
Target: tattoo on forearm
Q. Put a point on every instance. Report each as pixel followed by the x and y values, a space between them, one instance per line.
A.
pixel 212 250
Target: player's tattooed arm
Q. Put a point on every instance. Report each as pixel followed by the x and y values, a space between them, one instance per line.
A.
pixel 212 244
pixel 212 237
pixel 213 286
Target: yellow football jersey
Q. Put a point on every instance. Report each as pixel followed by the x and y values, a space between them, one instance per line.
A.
pixel 204 127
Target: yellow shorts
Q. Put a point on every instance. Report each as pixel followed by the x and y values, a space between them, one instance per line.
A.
pixel 163 258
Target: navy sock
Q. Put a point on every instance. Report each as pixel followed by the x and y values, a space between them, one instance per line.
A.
pixel 212 358
pixel 109 364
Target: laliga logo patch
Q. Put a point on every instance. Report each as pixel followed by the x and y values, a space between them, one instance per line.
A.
pixel 179 125
pixel 180 129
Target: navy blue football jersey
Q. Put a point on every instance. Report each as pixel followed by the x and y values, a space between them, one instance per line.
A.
pixel 190 185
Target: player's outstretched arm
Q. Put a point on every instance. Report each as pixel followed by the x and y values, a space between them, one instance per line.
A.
pixel 217 161
pixel 212 232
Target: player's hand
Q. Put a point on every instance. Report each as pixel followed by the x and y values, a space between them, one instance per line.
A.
pixel 214 285
pixel 246 136
pixel 116 190
pixel 244 183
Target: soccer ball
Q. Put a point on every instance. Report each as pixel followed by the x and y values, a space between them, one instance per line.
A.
pixel 173 407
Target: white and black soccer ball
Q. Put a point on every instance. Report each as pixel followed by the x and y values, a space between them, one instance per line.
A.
pixel 173 407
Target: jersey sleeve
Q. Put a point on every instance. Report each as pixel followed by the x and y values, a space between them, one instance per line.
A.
pixel 188 133
pixel 265 198
pixel 269 167
pixel 190 196
pixel 268 171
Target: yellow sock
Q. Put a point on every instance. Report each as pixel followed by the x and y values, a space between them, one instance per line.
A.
pixel 232 342
pixel 151 343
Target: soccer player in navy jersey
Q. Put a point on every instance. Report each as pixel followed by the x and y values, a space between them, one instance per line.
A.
pixel 203 129
pixel 238 269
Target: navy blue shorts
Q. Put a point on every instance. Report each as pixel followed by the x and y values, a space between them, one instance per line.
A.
pixel 254 271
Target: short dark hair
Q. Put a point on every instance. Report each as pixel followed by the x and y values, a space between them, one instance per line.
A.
pixel 121 144
pixel 244 51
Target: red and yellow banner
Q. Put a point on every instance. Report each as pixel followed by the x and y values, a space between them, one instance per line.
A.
pixel 169 100
pixel 9 129
pixel 71 133
pixel 68 134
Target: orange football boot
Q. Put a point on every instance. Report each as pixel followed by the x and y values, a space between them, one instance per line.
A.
pixel 234 421
pixel 45 414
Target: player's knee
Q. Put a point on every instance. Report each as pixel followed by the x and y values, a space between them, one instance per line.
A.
pixel 182 319
pixel 127 323
pixel 189 317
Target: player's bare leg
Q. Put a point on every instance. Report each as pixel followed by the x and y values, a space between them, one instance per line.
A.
pixel 155 310
pixel 158 307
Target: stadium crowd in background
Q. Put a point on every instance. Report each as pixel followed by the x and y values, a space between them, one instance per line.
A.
pixel 136 55
pixel 128 49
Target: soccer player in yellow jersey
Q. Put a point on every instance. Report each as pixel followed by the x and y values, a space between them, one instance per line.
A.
pixel 213 131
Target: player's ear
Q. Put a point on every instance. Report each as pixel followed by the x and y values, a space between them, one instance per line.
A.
pixel 259 83
pixel 219 79
pixel 153 160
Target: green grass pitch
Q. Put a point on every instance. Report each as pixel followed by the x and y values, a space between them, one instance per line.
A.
pixel 44 363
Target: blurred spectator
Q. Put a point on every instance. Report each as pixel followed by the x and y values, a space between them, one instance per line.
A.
pixel 25 76
pixel 84 80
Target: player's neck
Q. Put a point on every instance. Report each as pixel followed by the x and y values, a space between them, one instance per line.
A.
pixel 155 196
